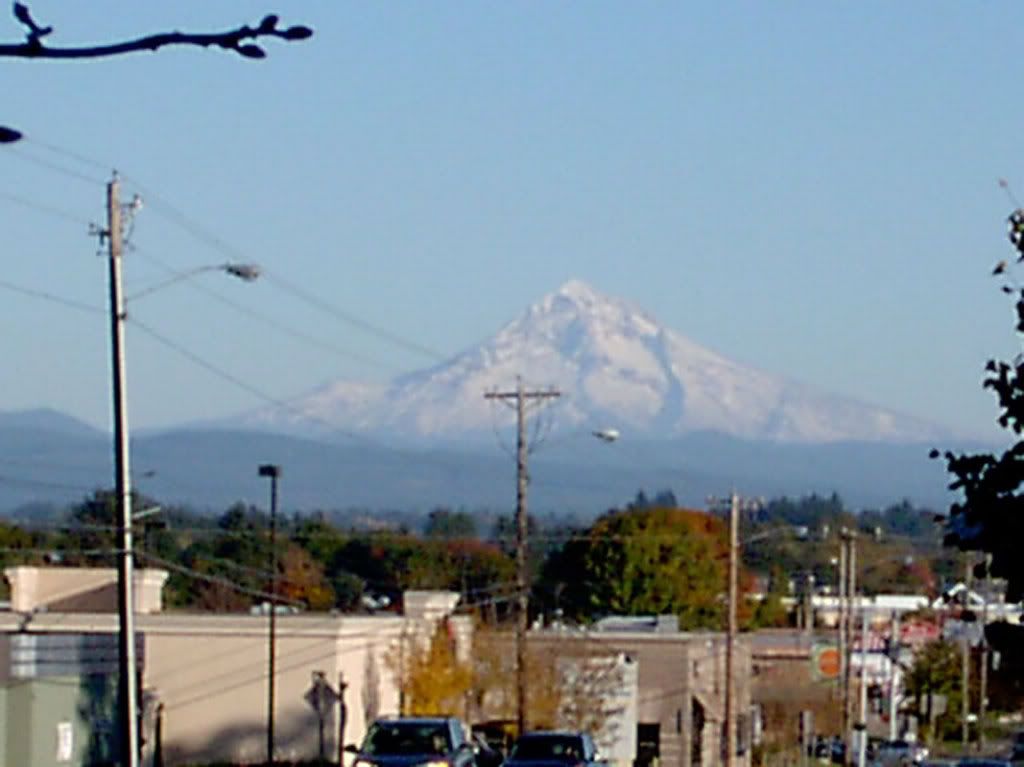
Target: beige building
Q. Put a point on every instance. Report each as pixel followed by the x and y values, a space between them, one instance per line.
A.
pixel 205 691
pixel 676 717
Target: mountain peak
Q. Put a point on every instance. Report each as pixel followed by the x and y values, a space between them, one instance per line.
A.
pixel 615 363
pixel 580 291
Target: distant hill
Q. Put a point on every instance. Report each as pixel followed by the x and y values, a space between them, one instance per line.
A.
pixel 45 419
pixel 210 469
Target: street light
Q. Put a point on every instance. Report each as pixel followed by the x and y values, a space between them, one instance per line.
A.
pixel 273 472
pixel 127 683
pixel 244 272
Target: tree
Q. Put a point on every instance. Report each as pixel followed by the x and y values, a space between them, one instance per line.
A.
pixel 936 671
pixel 770 611
pixel 644 562
pixel 447 524
pixel 572 679
pixel 238 40
pixel 433 679
pixel 301 579
pixel 990 513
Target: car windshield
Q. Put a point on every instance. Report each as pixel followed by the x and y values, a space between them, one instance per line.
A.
pixel 406 738
pixel 547 747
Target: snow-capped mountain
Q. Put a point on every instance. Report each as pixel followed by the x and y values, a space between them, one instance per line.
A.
pixel 613 364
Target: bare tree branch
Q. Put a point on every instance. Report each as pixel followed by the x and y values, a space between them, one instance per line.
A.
pixel 238 40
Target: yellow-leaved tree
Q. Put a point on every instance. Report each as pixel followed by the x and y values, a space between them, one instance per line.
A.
pixel 433 680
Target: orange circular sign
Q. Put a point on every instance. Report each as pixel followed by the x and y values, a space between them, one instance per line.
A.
pixel 826 662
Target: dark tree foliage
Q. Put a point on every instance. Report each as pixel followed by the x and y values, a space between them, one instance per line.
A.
pixel 449 525
pixel 990 513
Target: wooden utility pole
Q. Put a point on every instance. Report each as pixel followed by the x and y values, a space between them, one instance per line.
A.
pixel 965 648
pixel 521 397
pixel 983 670
pixel 849 558
pixel 841 630
pixel 730 637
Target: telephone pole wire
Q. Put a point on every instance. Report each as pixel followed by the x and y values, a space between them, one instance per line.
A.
pixel 521 397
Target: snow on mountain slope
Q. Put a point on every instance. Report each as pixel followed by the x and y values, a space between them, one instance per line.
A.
pixel 613 363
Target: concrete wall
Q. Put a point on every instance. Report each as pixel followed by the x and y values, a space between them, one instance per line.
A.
pixel 211 677
pixel 80 589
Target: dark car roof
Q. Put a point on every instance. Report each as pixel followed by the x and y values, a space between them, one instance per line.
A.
pixel 413 719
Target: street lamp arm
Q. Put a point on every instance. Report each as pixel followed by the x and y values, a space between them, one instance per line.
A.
pixel 245 272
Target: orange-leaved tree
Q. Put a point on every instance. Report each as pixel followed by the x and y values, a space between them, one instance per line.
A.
pixel 647 561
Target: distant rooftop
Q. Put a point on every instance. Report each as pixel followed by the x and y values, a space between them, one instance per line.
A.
pixel 653 624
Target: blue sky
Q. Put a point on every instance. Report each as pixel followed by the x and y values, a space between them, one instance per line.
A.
pixel 807 187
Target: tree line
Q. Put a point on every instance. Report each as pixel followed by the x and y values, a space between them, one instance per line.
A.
pixel 648 557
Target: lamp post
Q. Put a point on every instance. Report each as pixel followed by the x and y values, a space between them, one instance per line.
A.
pixel 273 472
pixel 127 666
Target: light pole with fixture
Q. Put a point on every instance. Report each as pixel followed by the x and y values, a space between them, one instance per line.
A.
pixel 273 472
pixel 127 664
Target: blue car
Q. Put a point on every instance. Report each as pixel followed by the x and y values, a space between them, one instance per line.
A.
pixel 554 749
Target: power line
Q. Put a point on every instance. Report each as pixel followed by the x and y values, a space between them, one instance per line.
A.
pixel 175 215
pixel 42 207
pixel 238 382
pixel 46 296
pixel 270 321
pixel 357 322
pixel 56 168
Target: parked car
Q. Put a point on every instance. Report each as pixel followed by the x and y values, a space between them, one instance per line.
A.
pixel 900 753
pixel 554 749
pixel 1017 749
pixel 415 742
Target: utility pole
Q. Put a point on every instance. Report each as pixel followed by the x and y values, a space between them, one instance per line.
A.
pixel 273 472
pixel 965 649
pixel 127 682
pixel 983 671
pixel 841 629
pixel 851 622
pixel 862 723
pixel 894 675
pixel 520 396
pixel 730 637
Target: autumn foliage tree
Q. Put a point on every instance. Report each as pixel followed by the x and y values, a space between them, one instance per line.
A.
pixel 644 561
pixel 432 677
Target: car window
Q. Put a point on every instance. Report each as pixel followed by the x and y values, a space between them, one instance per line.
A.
pixel 554 747
pixel 458 734
pixel 406 738
pixel 588 747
